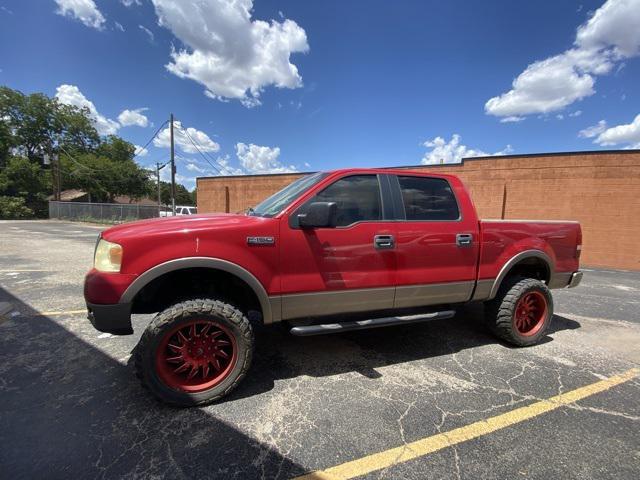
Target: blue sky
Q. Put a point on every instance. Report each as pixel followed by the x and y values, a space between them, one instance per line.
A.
pixel 307 85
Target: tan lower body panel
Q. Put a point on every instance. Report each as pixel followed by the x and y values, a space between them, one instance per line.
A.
pixel 483 289
pixel 318 304
pixel 433 294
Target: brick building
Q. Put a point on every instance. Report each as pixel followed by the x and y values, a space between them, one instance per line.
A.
pixel 600 189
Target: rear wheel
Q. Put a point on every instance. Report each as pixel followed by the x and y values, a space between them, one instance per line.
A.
pixel 521 311
pixel 195 352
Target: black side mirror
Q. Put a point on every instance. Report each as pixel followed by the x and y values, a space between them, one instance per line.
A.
pixel 319 214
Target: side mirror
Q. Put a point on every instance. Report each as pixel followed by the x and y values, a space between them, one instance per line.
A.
pixel 318 214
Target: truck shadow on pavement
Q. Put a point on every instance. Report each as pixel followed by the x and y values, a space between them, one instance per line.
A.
pixel 68 410
pixel 280 355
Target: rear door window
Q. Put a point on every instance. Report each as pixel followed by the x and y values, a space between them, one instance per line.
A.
pixel 427 198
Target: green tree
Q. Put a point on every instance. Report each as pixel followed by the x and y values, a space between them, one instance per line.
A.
pixel 115 148
pixel 105 178
pixel 25 179
pixel 6 142
pixel 13 208
pixel 40 124
pixel 183 196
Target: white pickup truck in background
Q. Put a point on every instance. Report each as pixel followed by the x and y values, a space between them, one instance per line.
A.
pixel 180 210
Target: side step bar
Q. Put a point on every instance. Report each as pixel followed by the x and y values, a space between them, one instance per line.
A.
pixel 308 330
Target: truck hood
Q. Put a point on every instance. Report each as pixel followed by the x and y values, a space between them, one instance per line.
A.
pixel 178 224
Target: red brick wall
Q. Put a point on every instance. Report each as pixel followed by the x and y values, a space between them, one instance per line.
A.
pixel 599 189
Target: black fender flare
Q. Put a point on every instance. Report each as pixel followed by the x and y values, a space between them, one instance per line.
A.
pixel 202 262
pixel 513 261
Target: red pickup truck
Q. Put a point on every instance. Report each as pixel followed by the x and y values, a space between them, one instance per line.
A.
pixel 331 252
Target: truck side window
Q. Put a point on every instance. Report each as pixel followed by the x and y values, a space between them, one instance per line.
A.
pixel 357 197
pixel 428 199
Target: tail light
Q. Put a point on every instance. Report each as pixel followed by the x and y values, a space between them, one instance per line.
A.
pixel 579 244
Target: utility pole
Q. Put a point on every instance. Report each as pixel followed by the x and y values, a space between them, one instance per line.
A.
pixel 59 180
pixel 173 172
pixel 53 160
pixel 158 167
pixel 48 160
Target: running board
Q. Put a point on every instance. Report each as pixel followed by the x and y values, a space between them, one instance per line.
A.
pixel 308 330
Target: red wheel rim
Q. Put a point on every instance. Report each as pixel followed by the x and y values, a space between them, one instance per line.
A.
pixel 530 314
pixel 196 355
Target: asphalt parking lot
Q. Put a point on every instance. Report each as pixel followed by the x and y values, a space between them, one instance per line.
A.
pixel 441 399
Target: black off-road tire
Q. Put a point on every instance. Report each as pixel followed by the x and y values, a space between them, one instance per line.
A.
pixel 500 313
pixel 225 315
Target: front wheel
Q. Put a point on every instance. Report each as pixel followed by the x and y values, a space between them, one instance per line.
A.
pixel 521 311
pixel 194 352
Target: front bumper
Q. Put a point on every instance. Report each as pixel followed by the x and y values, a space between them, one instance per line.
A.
pixel 115 318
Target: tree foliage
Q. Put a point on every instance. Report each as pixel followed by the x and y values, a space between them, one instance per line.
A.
pixel 105 178
pixel 14 208
pixel 40 124
pixel 21 178
pixel 35 124
pixel 183 196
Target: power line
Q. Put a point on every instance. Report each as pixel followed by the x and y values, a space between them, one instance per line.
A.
pixel 193 142
pixel 200 151
pixel 70 157
pixel 151 139
pixel 76 162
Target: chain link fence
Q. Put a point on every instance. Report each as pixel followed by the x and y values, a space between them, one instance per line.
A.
pixel 101 212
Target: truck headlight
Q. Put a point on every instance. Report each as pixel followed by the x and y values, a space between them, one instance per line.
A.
pixel 108 256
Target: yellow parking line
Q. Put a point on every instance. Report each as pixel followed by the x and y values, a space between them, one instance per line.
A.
pixel 51 314
pixel 419 448
pixel 22 270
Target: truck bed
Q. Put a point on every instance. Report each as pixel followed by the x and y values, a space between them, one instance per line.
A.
pixel 503 239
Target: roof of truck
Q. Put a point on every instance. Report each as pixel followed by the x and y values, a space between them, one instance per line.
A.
pixel 391 171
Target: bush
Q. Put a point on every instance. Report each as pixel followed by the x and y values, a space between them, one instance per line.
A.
pixel 13 208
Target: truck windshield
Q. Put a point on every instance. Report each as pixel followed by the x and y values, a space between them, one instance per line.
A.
pixel 280 200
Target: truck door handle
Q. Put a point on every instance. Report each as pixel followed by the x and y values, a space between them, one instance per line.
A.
pixel 464 239
pixel 382 242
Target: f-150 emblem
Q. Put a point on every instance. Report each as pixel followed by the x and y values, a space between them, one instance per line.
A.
pixel 261 240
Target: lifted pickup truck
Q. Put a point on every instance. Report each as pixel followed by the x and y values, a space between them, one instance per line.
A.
pixel 331 252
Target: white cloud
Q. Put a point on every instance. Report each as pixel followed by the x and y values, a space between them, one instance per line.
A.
pixel 188 180
pixel 195 167
pixel 148 32
pixel 119 26
pixel 228 169
pixel 71 95
pixel 608 37
pixel 577 113
pixel 233 56
pixel 259 159
pixel 192 167
pixel 593 130
pixel 614 25
pixel 201 139
pixel 140 151
pixel 84 10
pixel 511 119
pixel 627 133
pixel 453 151
pixel 128 3
pixel 133 117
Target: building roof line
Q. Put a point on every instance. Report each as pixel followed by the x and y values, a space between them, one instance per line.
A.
pixel 436 165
